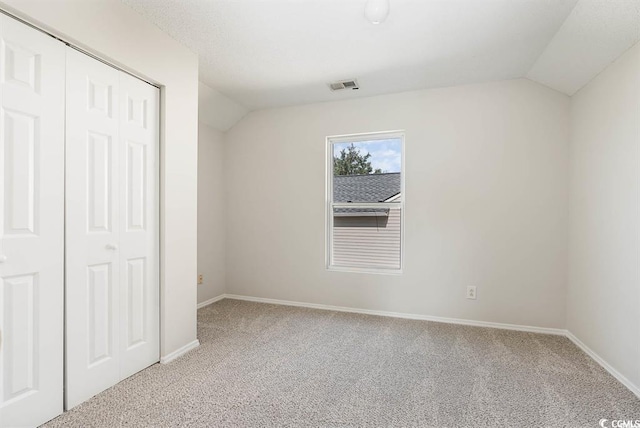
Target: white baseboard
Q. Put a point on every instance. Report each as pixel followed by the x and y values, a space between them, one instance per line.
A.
pixel 544 330
pixel 179 352
pixel 516 327
pixel 210 301
pixel 615 373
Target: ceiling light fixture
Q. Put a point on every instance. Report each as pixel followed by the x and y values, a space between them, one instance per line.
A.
pixel 376 11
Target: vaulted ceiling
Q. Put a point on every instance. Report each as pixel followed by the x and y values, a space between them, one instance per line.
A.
pixel 266 53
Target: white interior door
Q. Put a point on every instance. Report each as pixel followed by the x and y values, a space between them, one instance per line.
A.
pixel 92 226
pixel 112 279
pixel 139 225
pixel 31 225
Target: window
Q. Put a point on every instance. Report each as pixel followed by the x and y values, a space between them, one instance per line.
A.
pixel 365 200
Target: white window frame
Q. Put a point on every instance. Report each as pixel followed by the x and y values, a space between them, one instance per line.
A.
pixel 330 205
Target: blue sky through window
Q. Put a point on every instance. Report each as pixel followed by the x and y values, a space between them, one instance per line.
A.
pixel 385 154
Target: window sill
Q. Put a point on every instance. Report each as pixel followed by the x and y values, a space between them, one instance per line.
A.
pixel 374 271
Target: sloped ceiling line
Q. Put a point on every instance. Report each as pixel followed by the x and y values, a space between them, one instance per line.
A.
pixel 259 54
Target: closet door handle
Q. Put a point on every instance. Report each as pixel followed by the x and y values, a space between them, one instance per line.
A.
pixel 3 258
pixel 112 247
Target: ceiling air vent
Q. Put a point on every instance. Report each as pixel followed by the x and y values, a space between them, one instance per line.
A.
pixel 344 84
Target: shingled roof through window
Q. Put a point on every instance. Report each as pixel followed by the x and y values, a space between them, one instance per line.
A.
pixel 366 188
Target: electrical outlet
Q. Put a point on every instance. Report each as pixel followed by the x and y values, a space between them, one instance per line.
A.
pixel 471 292
pixel 200 279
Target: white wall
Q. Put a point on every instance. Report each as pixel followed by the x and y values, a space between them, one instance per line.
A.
pixel 486 203
pixel 217 110
pixel 118 34
pixel 211 221
pixel 603 308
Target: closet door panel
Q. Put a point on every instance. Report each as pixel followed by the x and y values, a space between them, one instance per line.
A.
pixel 139 254
pixel 92 227
pixel 31 224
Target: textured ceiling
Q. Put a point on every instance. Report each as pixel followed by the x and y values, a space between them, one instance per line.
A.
pixel 593 36
pixel 266 53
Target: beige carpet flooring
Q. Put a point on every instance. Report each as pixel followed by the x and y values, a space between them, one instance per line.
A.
pixel 265 366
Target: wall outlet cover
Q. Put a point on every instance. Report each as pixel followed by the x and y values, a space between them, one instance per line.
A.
pixel 471 292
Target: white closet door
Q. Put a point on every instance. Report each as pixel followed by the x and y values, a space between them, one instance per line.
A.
pixel 93 172
pixel 31 225
pixel 139 247
pixel 112 279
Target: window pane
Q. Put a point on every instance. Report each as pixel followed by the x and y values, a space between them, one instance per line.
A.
pixel 367 237
pixel 367 171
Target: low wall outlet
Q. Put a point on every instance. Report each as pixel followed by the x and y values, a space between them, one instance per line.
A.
pixel 471 292
pixel 200 279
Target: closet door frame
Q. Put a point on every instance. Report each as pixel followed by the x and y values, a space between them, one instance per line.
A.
pixel 26 20
pixel 152 56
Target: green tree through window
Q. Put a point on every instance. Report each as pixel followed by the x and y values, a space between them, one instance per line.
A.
pixel 352 162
